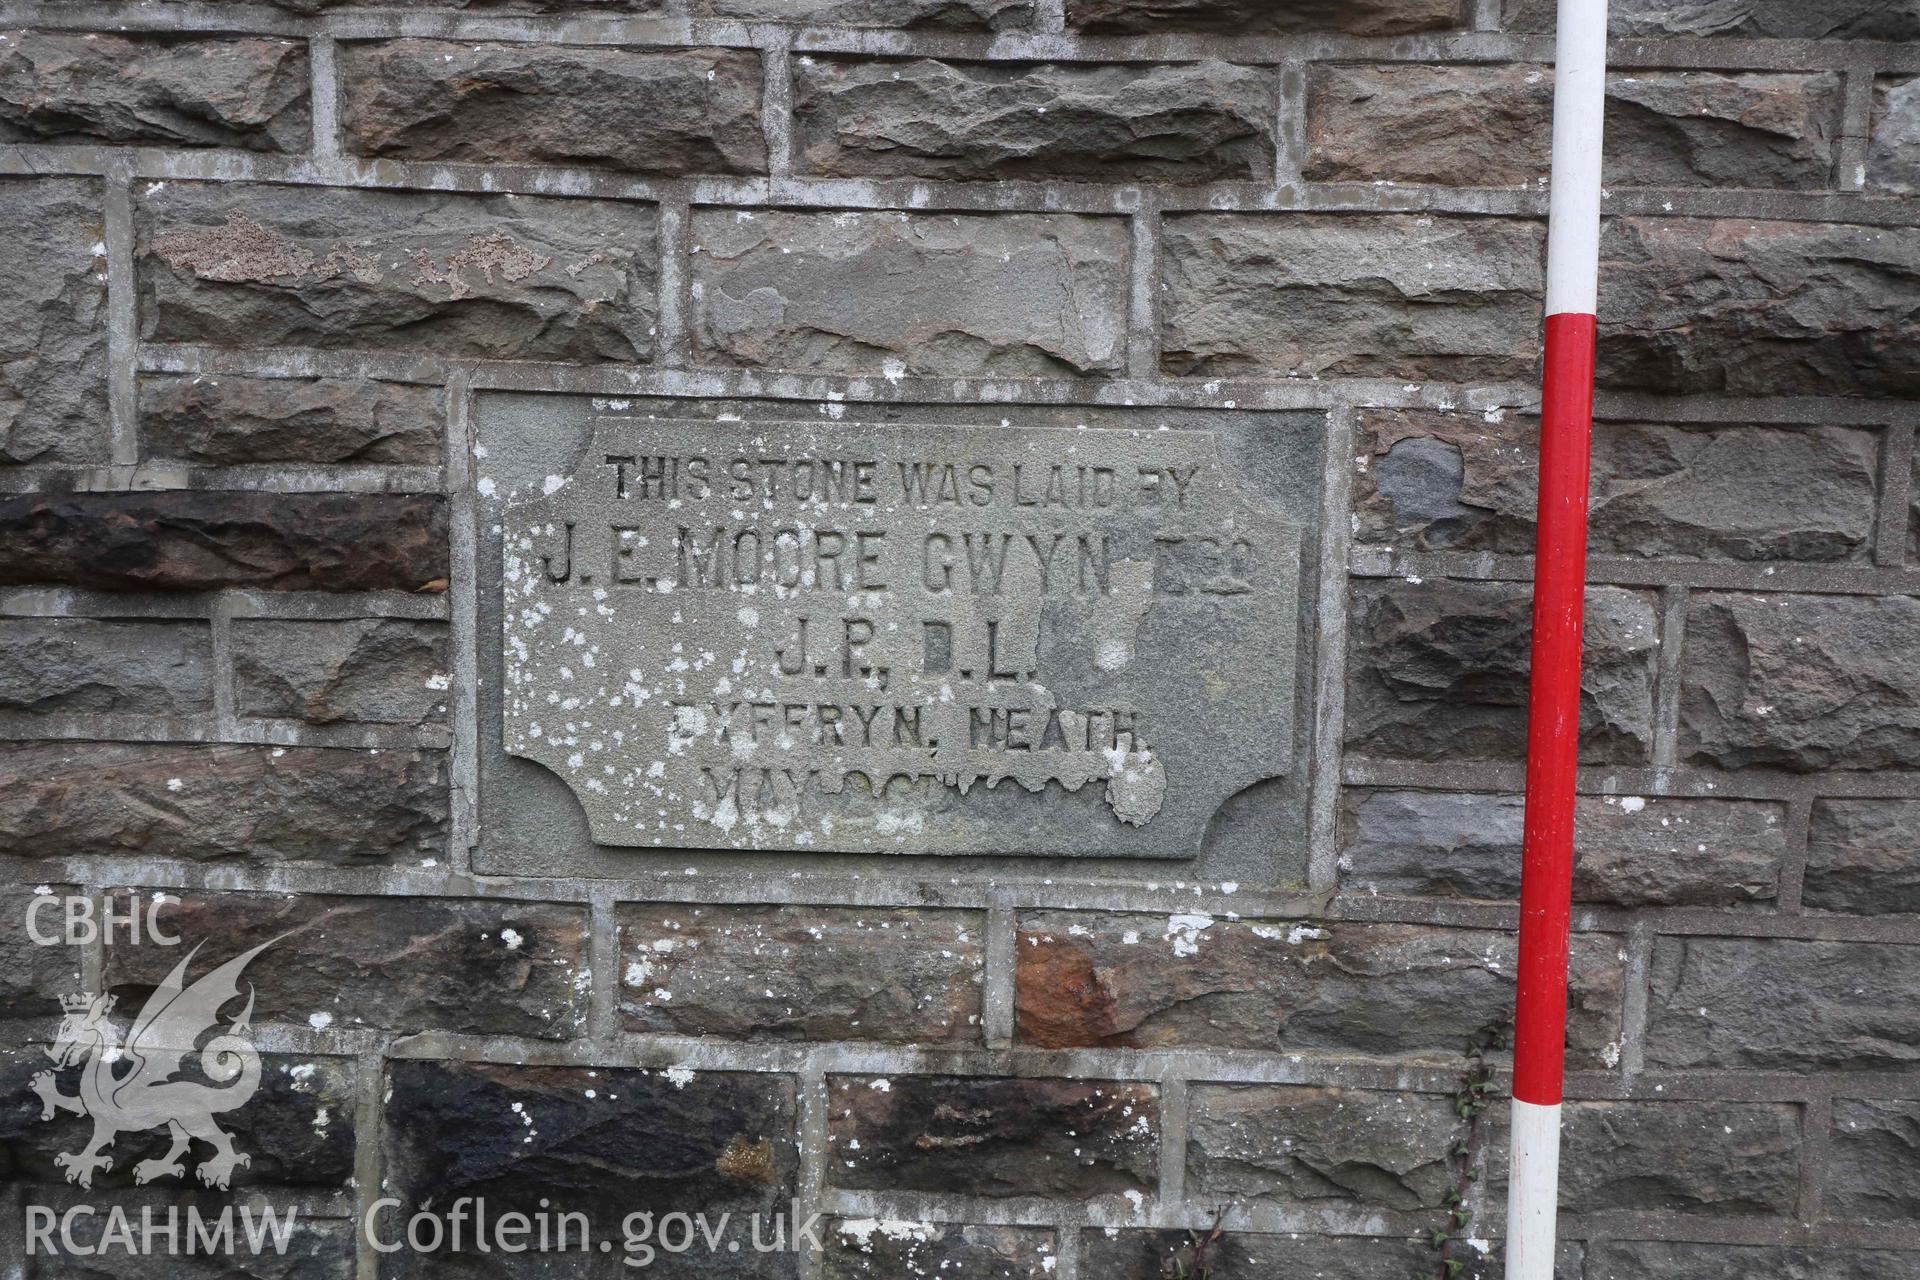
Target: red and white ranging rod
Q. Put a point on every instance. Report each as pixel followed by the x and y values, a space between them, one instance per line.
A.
pixel 1559 583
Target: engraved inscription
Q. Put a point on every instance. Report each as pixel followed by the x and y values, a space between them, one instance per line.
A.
pixel 870 638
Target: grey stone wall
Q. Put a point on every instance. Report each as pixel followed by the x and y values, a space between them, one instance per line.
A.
pixel 265 264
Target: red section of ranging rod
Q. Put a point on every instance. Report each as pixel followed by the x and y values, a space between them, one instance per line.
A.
pixel 1553 708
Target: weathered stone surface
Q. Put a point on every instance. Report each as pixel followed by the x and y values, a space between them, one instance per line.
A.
pixel 1829 19
pixel 1893 152
pixel 988 685
pixel 1735 492
pixel 206 802
pixel 380 669
pixel 1489 126
pixel 1628 850
pixel 33 977
pixel 1715 129
pixel 801 973
pixel 1287 1144
pixel 898 293
pixel 950 15
pixel 92 87
pixel 1438 670
pixel 178 540
pixel 478 965
pixel 992 1137
pixel 1700 1158
pixel 1873 1162
pixel 1802 682
pixel 1239 1255
pixel 53 321
pixel 1143 981
pixel 89 664
pixel 1863 856
pixel 502 277
pixel 1393 296
pixel 1783 1004
pixel 646 111
pixel 231 421
pixel 1432 481
pixel 1183 122
pixel 296 1131
pixel 1640 1259
pixel 1738 307
pixel 870 1249
pixel 1235 17
pixel 599 1142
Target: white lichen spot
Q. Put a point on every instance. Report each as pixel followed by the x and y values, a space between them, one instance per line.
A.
pixel 1184 932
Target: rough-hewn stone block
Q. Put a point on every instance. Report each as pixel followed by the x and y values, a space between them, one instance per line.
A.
pixel 946 15
pixel 1802 682
pixel 992 1137
pixel 93 87
pixel 1735 492
pixel 1490 126
pixel 1693 305
pixel 1863 856
pixel 1282 17
pixel 1393 296
pixel 604 1143
pixel 89 664
pixel 33 977
pixel 898 293
pixel 1642 1259
pixel 871 1249
pixel 1431 481
pixel 1287 1144
pixel 1629 850
pixel 379 669
pixel 1700 1158
pixel 503 277
pixel 801 973
pixel 1873 1162
pixel 1783 1004
pixel 1893 153
pixel 205 802
pixel 232 421
pixel 53 321
pixel 297 1129
pixel 665 111
pixel 477 965
pixel 1185 122
pixel 1828 19
pixel 1438 670
pixel 1144 981
pixel 1718 129
pixel 178 540
pixel 1240 1255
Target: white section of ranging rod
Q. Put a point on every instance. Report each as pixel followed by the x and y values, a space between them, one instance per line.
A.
pixel 1532 1190
pixel 1573 199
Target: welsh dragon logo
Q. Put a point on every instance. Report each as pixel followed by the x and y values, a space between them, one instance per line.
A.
pixel 131 1088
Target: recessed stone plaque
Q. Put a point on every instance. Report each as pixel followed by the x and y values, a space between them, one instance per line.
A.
pixel 869 638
